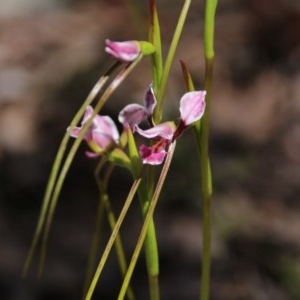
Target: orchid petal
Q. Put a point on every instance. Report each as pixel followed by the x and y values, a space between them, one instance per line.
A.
pixel 192 106
pixel 163 130
pixel 151 157
pixel 132 114
pixel 106 126
pixel 150 100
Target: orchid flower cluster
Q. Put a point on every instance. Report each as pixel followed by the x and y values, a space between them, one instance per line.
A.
pixel 103 135
pixel 139 122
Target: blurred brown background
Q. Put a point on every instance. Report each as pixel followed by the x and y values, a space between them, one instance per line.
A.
pixel 51 54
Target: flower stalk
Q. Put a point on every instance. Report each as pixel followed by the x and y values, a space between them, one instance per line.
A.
pixel 147 221
pixel 203 133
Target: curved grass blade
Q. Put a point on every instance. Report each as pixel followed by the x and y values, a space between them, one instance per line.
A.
pixel 56 166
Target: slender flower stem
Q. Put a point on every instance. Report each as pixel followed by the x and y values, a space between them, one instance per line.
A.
pixel 206 187
pixel 206 190
pixel 151 250
pixel 147 221
pixel 144 194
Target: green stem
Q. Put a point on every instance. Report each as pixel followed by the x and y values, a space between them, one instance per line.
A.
pixel 147 221
pixel 151 250
pixel 206 186
pixel 206 192
pixel 145 194
pixel 209 28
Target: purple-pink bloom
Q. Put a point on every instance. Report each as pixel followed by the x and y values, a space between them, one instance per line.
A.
pixel 155 154
pixel 101 135
pixel 192 106
pixel 124 51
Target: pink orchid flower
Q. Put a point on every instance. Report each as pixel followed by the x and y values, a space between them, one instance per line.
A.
pixel 101 135
pixel 156 154
pixel 192 106
pixel 124 51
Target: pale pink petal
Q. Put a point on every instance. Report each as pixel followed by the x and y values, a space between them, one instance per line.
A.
pixel 105 125
pixel 192 106
pixel 163 130
pixel 132 114
pixel 102 140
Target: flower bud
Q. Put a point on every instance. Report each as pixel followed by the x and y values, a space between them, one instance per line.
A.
pixel 123 51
